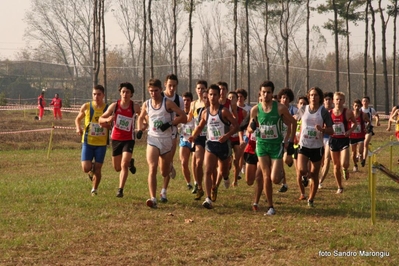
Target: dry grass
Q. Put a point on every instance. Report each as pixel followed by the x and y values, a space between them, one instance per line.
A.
pixel 49 218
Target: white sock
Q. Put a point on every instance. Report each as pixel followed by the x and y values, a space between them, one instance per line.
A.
pixel 163 191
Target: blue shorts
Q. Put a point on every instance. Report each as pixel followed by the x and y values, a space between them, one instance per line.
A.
pixel 89 152
pixel 220 150
pixel 184 143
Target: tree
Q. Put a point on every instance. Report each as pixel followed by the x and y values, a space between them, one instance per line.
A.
pixel 366 42
pixel 384 55
pixel 373 52
pixel 393 12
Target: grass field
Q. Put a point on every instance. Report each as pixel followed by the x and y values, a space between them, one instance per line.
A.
pixel 47 216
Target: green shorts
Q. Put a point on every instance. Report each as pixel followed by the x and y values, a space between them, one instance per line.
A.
pixel 274 151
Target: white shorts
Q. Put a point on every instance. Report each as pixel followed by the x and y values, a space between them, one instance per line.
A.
pixel 325 141
pixel 163 144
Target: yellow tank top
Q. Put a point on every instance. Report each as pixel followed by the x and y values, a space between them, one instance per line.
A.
pixel 94 134
pixel 397 123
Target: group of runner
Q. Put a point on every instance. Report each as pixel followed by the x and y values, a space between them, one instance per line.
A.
pixel 264 136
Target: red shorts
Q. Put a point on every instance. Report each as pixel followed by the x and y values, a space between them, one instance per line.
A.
pixel 397 135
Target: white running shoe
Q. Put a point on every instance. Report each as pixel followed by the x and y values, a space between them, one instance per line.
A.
pixel 270 211
pixel 227 183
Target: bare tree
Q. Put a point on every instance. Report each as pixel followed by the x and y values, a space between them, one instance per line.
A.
pixel 366 42
pixel 393 12
pixel 373 52
pixel 384 55
pixel 151 39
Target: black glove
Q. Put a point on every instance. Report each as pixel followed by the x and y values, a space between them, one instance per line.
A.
pixel 165 126
pixel 290 148
pixel 253 125
pixel 139 134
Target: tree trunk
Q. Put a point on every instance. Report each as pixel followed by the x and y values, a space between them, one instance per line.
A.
pixel 384 56
pixel 102 12
pixel 307 45
pixel 248 54
pixel 190 48
pixel 96 41
pixel 174 38
pixel 336 46
pixel 374 92
pixel 285 15
pixel 265 43
pixel 144 80
pixel 348 81
pixel 366 44
pixel 151 40
pixel 235 44
pixel 394 54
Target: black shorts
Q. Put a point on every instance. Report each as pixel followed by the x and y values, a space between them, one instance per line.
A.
pixel 250 158
pixel 296 153
pixel 338 144
pixel 235 143
pixel 221 150
pixel 118 147
pixel 200 141
pixel 314 155
pixel 356 141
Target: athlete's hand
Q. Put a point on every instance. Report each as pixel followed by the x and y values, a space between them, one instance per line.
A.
pixel 290 148
pixel 253 125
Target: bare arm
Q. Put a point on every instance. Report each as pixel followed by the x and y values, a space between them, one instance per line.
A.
pixel 252 117
pixel 350 117
pixel 108 116
pixel 180 117
pixel 290 121
pixel 199 128
pixel 79 118
pixel 142 118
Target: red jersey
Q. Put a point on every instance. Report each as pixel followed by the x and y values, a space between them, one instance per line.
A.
pixel 340 125
pixel 41 103
pixel 240 118
pixel 359 132
pixel 57 102
pixel 124 121
pixel 251 146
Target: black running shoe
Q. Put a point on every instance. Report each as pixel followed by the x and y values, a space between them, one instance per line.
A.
pixel 132 168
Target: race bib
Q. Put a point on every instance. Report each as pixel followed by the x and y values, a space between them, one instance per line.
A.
pixel 358 129
pixel 339 129
pixel 310 133
pixel 214 133
pixel 123 122
pixel 96 130
pixel 268 132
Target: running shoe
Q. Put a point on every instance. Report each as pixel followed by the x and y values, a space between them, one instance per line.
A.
pixel 120 193
pixel 255 207
pixel 214 194
pixel 151 203
pixel 340 190
pixel 199 195
pixel 270 211
pixel 94 192
pixel 189 187
pixel 305 181
pixel 355 168
pixel 234 184
pixel 163 198
pixel 320 185
pixel 195 189
pixel 283 188
pixel 345 174
pixel 207 203
pixel 310 203
pixel 363 162
pixel 132 168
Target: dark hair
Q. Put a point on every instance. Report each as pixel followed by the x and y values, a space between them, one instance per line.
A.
pixel 319 92
pixel 154 83
pixel 366 97
pixel 357 101
pixel 202 82
pixel 127 85
pixel 267 83
pixel 233 92
pixel 171 77
pixel 304 98
pixel 288 92
pixel 329 94
pixel 188 94
pixel 100 88
pixel 214 87
pixel 243 92
pixel 224 84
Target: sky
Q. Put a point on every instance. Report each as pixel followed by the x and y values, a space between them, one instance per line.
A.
pixel 12 28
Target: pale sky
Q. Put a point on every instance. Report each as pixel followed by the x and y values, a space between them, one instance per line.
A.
pixel 12 28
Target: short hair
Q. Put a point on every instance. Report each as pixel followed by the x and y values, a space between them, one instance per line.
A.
pixel 233 92
pixel 288 92
pixel 267 83
pixel 339 93
pixel 366 97
pixel 127 85
pixel 214 87
pixel 224 84
pixel 99 87
pixel 328 94
pixel 243 92
pixel 357 101
pixel 171 77
pixel 188 94
pixel 154 83
pixel 202 82
pixel 304 98
pixel 319 92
